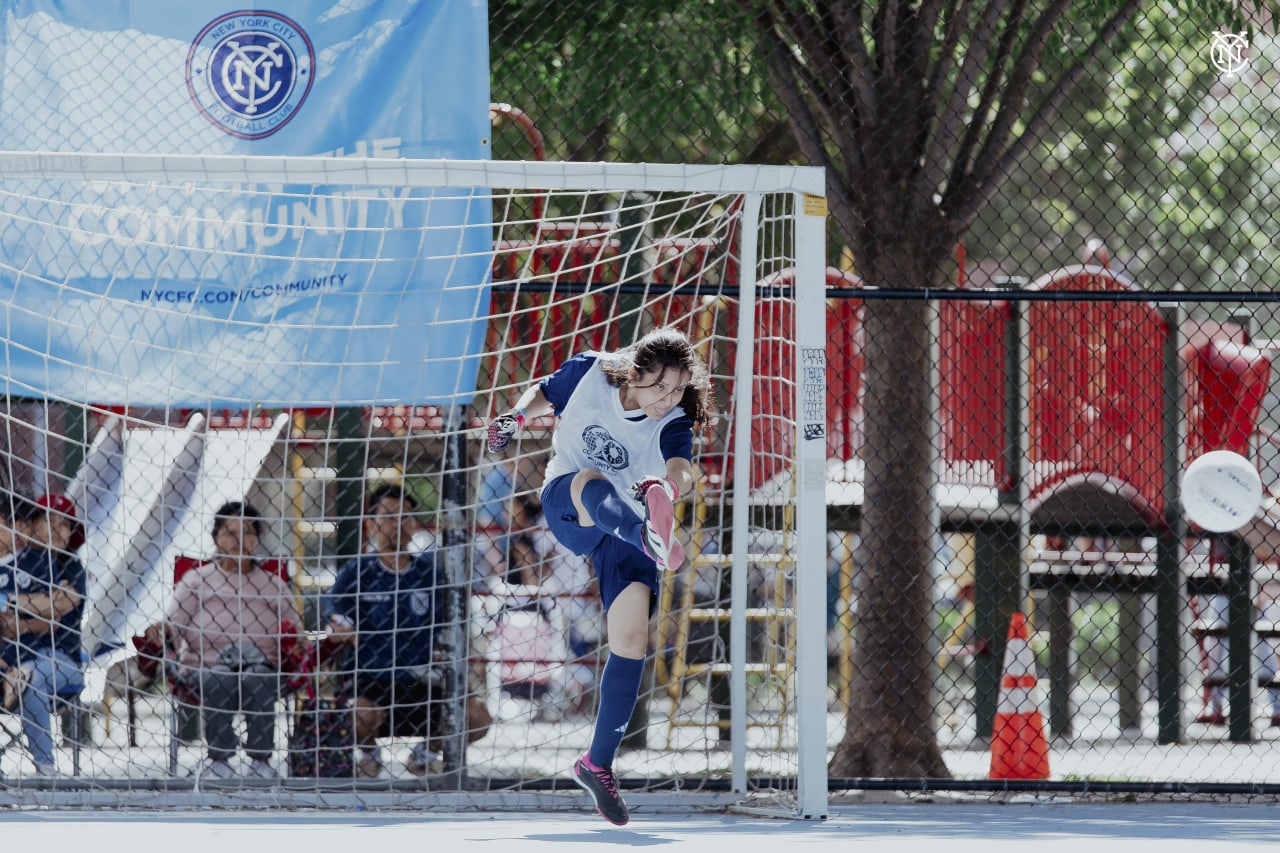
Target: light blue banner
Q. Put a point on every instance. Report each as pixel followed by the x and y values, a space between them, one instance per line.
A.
pixel 179 296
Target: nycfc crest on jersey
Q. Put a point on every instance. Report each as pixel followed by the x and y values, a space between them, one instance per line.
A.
pixel 605 452
pixel 249 72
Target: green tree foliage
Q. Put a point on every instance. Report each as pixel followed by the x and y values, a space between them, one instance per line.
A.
pixel 1167 161
pixel 920 111
pixel 663 81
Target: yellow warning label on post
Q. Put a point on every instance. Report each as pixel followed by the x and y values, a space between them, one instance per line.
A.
pixel 815 205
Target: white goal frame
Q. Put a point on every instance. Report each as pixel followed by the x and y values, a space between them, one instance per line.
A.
pixel 806 186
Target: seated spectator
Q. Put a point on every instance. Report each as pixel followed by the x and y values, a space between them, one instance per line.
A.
pixel 529 648
pixel 43 587
pixel 497 487
pixel 531 549
pixel 525 566
pixel 224 630
pixel 555 660
pixel 389 606
pixel 12 541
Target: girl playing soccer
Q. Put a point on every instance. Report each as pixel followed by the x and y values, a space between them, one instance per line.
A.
pixel 620 457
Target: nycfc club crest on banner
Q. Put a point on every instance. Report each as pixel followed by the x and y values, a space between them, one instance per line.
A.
pixel 250 72
pixel 301 294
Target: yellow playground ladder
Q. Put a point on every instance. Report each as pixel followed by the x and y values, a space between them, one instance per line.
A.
pixel 771 645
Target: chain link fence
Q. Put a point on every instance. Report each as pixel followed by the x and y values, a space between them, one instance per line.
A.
pixel 1050 288
pixel 994 456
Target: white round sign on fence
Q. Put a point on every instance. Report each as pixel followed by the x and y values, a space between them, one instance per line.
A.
pixel 1221 491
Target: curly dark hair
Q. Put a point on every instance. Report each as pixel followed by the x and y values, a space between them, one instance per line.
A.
pixel 666 348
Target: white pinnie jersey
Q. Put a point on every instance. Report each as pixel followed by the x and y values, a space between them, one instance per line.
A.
pixel 593 430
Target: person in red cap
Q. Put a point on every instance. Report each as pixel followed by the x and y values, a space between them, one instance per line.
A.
pixel 44 591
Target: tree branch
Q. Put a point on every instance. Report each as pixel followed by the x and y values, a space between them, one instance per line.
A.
pixel 950 15
pixel 996 80
pixel 1019 79
pixel 884 33
pixel 945 142
pixel 855 64
pixel 1002 159
pixel 808 131
pixel 802 76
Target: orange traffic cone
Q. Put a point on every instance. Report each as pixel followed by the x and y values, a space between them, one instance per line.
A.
pixel 1019 749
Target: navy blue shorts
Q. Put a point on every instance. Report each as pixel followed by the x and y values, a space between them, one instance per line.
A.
pixel 617 562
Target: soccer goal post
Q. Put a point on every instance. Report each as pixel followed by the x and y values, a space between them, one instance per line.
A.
pixel 183 331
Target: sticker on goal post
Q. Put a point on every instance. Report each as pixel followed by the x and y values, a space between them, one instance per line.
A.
pixel 815 205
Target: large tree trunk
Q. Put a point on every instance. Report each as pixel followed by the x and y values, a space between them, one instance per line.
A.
pixel 919 112
pixel 891 729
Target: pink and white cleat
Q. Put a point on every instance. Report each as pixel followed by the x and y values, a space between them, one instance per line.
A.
pixel 660 527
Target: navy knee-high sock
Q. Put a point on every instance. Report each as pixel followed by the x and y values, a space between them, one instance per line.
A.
pixel 619 689
pixel 610 512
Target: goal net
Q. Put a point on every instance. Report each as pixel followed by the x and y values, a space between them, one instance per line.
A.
pixel 294 333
